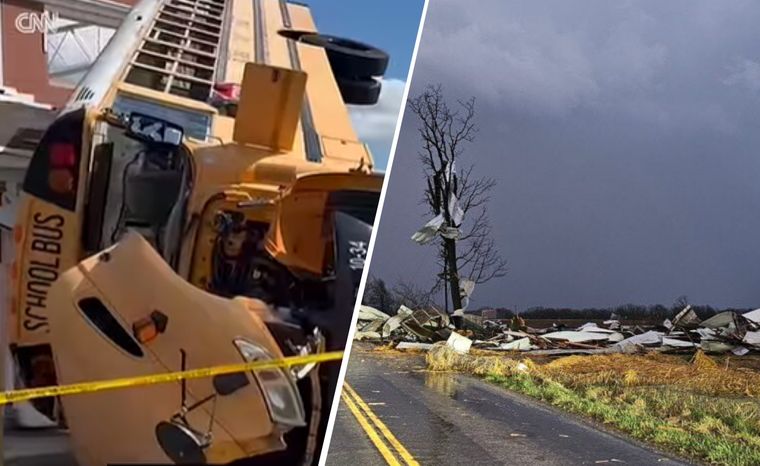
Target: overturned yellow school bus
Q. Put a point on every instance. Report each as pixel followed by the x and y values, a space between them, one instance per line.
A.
pixel 202 199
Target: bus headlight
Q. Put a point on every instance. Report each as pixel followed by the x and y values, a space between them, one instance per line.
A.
pixel 280 393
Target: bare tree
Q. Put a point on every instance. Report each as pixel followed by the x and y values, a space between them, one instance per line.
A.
pixel 377 295
pixel 444 133
pixel 412 296
pixel 681 302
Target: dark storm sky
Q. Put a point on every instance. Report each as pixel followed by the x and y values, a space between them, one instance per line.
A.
pixel 624 137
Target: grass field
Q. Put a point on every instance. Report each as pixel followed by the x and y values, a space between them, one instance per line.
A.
pixel 703 408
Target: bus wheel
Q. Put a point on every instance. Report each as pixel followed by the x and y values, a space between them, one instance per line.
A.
pixel 349 57
pixel 359 91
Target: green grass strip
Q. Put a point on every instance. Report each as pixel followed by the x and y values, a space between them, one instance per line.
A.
pixel 719 431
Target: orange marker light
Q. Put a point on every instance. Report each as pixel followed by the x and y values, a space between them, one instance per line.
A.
pixel 145 330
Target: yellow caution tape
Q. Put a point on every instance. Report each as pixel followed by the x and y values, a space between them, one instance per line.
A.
pixel 15 396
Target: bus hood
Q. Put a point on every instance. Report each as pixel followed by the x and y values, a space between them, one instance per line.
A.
pixel 98 307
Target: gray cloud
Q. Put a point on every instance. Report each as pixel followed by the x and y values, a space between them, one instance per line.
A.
pixel 746 73
pixel 376 124
pixel 623 138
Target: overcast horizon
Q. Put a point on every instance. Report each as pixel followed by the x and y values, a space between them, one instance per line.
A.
pixel 623 141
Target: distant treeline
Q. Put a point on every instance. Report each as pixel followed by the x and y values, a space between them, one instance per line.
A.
pixel 388 299
pixel 625 312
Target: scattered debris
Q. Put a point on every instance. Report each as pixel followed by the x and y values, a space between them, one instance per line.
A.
pixel 413 345
pixel 428 232
pixel 420 329
pixel 523 344
pixel 368 313
pixel 576 337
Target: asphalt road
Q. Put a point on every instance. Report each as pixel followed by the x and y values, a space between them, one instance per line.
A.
pixel 37 448
pixel 456 419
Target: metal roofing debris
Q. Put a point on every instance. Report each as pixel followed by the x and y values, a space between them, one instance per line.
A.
pixel 722 319
pixel 724 332
pixel 752 338
pixel 523 344
pixel 362 335
pixel 370 313
pixel 676 343
pixel 715 346
pixel 429 231
pixel 754 316
pixel 650 338
pixel 413 345
pixel 687 318
pixel 576 337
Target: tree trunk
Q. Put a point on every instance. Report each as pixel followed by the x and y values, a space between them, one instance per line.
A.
pixel 453 273
pixel 445 288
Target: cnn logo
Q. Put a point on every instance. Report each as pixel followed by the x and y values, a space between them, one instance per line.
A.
pixel 32 22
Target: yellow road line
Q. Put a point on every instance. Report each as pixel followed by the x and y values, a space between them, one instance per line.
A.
pixel 370 431
pixel 402 451
pixel 89 387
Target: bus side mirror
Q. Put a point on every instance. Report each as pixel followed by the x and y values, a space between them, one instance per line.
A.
pixel 270 106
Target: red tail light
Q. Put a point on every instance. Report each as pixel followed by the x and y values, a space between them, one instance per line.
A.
pixel 62 155
pixel 63 159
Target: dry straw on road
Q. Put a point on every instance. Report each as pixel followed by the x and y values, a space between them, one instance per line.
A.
pixel 701 374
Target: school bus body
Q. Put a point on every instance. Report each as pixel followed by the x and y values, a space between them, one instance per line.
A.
pixel 49 236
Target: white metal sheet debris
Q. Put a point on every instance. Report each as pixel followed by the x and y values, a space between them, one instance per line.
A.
pixel 650 338
pixel 715 346
pixel 395 322
pixel 754 316
pixel 459 343
pixel 370 313
pixel 413 345
pixel 576 337
pixel 523 344
pixel 720 320
pixel 360 335
pixel 429 231
pixel 676 343
pixel 752 338
pixel 592 327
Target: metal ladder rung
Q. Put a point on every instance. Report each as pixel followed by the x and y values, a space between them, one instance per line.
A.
pixel 185 39
pixel 215 9
pixel 170 73
pixel 170 58
pixel 180 48
pixel 179 53
pixel 189 24
pixel 194 18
